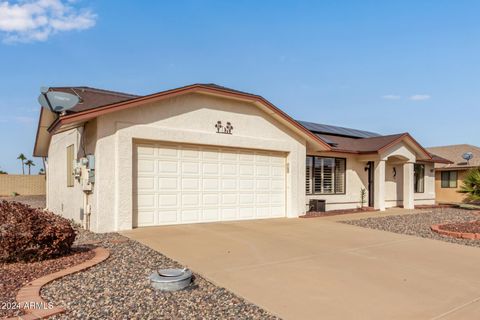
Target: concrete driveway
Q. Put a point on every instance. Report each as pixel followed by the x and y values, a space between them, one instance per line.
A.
pixel 320 269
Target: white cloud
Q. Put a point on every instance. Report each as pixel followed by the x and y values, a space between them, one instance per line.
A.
pixel 419 97
pixel 36 20
pixel 391 97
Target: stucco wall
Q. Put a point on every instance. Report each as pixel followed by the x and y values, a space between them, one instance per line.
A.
pixel 188 118
pixel 25 185
pixel 63 200
pixel 449 194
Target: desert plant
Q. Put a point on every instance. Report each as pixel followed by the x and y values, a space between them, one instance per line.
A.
pixel 28 234
pixel 22 158
pixel 363 196
pixel 29 164
pixel 471 185
pixel 14 194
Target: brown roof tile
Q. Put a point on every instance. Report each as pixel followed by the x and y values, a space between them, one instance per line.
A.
pixel 454 154
pixel 91 98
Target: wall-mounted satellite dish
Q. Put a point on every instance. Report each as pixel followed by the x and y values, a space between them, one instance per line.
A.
pixel 467 156
pixel 57 101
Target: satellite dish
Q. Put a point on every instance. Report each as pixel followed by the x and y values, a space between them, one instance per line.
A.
pixel 467 156
pixel 57 101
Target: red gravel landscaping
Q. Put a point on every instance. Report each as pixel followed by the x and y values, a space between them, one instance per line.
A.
pixel 15 275
pixel 464 227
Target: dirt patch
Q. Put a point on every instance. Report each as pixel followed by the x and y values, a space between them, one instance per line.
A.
pixel 314 214
pixel 15 275
pixel 465 227
pixel 32 201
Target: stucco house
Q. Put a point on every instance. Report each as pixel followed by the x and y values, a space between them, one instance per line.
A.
pixel 205 153
pixel 449 176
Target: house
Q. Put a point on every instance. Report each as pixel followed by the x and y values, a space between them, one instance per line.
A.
pixel 449 176
pixel 204 153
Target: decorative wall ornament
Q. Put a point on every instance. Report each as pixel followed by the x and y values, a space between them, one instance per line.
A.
pixel 227 129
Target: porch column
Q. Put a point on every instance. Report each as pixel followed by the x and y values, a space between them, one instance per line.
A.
pixel 379 185
pixel 408 188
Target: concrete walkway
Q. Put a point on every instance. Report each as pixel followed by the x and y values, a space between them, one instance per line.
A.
pixel 321 269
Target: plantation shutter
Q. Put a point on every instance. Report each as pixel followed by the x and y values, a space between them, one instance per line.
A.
pixel 308 175
pixel 339 175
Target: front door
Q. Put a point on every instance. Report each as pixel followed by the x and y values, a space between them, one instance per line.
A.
pixel 371 177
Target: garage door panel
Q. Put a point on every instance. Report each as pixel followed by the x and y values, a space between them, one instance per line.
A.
pixel 229 213
pixel 146 201
pixel 211 184
pixel 190 168
pixel 188 184
pixel 191 184
pixel 211 169
pixel 146 183
pixel 190 215
pixel 168 200
pixel 146 217
pixel 210 214
pixel 168 167
pixel 146 166
pixel 211 199
pixel 246 184
pixel 229 199
pixel 229 184
pixel 168 183
pixel 191 199
pixel 229 169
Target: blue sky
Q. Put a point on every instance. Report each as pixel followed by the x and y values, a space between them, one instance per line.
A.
pixel 384 66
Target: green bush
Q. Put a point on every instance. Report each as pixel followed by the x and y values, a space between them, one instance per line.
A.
pixel 471 185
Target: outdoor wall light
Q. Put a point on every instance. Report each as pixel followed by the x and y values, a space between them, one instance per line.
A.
pixel 394 172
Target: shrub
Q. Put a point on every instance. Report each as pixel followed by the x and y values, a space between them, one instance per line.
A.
pixel 471 185
pixel 28 234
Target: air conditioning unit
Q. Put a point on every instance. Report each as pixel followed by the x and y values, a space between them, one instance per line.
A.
pixel 316 205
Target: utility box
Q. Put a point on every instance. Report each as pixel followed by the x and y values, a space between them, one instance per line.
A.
pixel 316 205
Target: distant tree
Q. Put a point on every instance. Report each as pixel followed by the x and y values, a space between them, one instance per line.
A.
pixel 41 171
pixel 22 158
pixel 3 172
pixel 29 164
pixel 471 185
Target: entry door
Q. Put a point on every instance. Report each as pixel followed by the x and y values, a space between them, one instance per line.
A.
pixel 371 179
pixel 177 184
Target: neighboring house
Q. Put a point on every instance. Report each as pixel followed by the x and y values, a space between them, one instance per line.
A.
pixel 204 153
pixel 449 176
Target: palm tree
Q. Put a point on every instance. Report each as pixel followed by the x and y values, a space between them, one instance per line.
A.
pixel 471 185
pixel 22 158
pixel 29 164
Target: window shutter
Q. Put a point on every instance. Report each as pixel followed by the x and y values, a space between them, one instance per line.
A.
pixel 340 175
pixel 308 175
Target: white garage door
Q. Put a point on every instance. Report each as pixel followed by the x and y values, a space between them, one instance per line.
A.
pixel 188 184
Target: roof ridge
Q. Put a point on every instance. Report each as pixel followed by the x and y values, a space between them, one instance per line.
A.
pixel 455 145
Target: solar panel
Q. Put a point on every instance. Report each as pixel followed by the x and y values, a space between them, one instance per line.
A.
pixel 341 131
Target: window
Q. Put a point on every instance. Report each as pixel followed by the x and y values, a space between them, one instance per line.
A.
pixel 70 156
pixel 419 178
pixel 325 175
pixel 449 179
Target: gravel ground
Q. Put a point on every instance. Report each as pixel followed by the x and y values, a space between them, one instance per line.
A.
pixel 15 275
pixel 419 224
pixel 33 201
pixel 119 289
